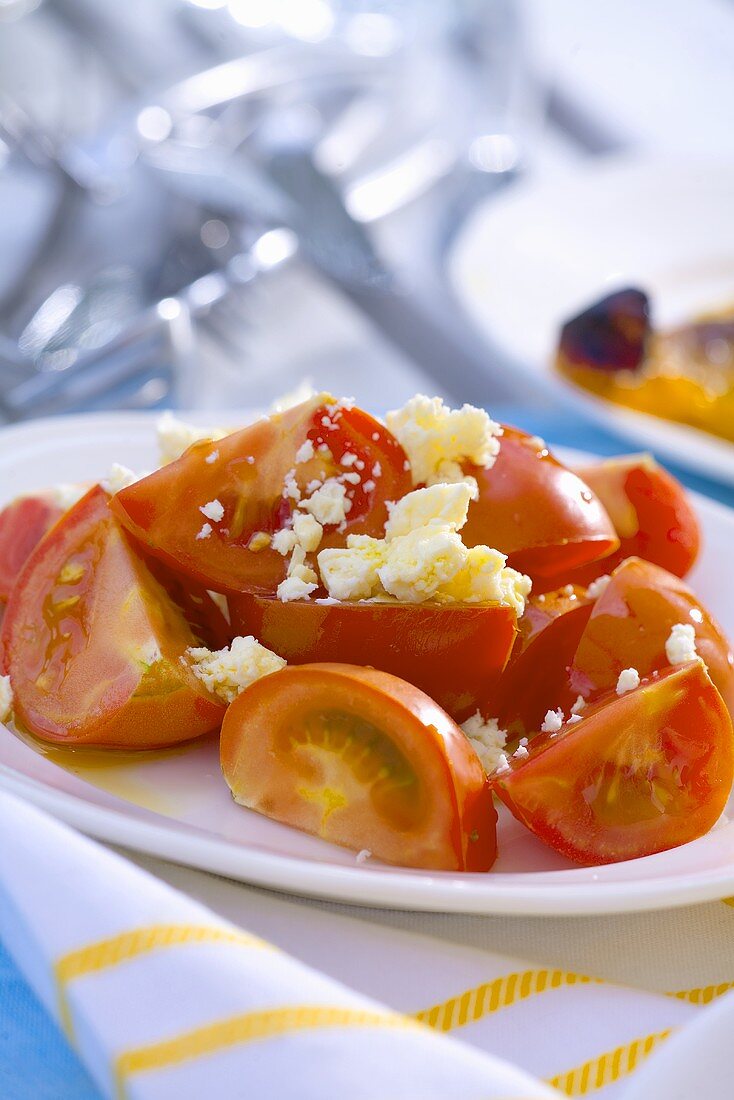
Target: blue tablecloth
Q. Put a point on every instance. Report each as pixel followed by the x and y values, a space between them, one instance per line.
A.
pixel 35 1060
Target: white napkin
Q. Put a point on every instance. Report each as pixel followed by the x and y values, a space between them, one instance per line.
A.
pixel 165 1000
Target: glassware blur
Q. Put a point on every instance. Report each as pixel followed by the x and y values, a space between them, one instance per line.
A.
pixel 97 241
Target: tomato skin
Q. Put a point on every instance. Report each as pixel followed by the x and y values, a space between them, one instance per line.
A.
pixel 162 511
pixel 640 773
pixel 454 653
pixel 630 624
pixel 536 677
pixel 651 513
pixel 437 813
pixel 23 523
pixel 80 636
pixel 538 513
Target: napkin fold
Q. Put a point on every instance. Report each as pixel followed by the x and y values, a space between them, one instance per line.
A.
pixel 164 1000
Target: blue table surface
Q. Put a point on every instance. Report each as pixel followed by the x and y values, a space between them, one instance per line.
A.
pixel 35 1060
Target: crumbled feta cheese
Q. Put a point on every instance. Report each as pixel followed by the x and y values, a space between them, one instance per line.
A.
pixel 376 436
pixel 284 540
pixel 503 765
pixel 696 614
pixel 308 532
pixel 294 588
pixel 437 439
pixel 250 460
pixel 6 698
pixel 363 856
pixel 597 587
pixel 629 679
pixel 304 391
pixel 520 752
pixel 538 442
pixel 377 470
pixel 329 504
pixel 369 485
pixel 259 540
pixel 305 452
pixel 205 532
pixel 441 505
pixel 212 457
pixel 578 705
pixel 553 721
pixel 681 644
pixel 352 477
pixel 290 486
pixel 487 739
pixel 66 494
pixel 227 672
pixel 297 567
pixel 573 719
pixel 175 436
pixel 348 459
pixel 423 557
pixel 213 510
pixel 119 477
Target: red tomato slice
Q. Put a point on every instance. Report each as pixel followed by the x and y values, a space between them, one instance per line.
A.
pixel 538 513
pixel 631 623
pixel 92 642
pixel 650 511
pixel 248 477
pixel 454 653
pixel 536 677
pixel 638 774
pixel 23 523
pixel 362 759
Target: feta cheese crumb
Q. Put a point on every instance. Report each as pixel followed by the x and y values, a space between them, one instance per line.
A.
pixel 553 721
pixel 119 477
pixel 363 856
pixel 681 644
pixel 438 505
pixel 437 439
pixel 175 436
pixel 348 459
pixel 573 719
pixel 205 532
pixel 629 679
pixel 351 477
pixel 377 470
pixel 284 540
pixel 212 457
pixel 294 588
pixel 487 739
pixel 6 698
pixel 520 752
pixel 214 511
pixel 329 504
pixel 599 586
pixel 308 532
pixel 259 540
pixel 291 490
pixel 696 614
pixel 227 672
pixel 305 452
pixel 578 705
pixel 66 494
pixel 369 485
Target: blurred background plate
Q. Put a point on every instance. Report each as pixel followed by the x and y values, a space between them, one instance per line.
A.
pixel 536 255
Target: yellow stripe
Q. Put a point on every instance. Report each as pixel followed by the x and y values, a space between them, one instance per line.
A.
pixel 105 954
pixel 473 1004
pixel 607 1068
pixel 247 1028
pixel 728 901
pixel 704 995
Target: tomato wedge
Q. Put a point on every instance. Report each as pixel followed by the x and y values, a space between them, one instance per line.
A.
pixel 23 523
pixel 538 513
pixel 92 642
pixel 631 622
pixel 536 678
pixel 247 473
pixel 454 653
pixel 638 774
pixel 651 513
pixel 362 759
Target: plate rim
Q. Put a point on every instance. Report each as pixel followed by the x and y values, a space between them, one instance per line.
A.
pixel 407 889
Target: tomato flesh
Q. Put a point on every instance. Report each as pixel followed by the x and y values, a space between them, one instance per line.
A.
pixel 651 513
pixel 92 642
pixel 631 622
pixel 537 512
pixel 247 473
pixel 537 675
pixel 455 653
pixel 23 523
pixel 638 774
pixel 362 759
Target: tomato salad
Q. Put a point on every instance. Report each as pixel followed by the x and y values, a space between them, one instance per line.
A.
pixel 391 626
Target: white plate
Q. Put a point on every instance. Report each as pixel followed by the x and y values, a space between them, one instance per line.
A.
pixel 533 257
pixel 177 806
